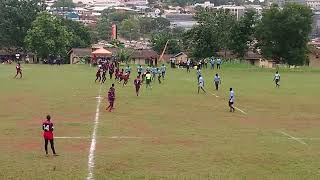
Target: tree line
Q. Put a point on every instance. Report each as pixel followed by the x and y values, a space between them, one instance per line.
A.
pixel 280 34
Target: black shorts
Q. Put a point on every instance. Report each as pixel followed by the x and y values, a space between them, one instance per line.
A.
pixel 230 103
pixel 277 80
pixel 148 81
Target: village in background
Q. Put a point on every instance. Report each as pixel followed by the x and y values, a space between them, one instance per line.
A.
pixel 178 16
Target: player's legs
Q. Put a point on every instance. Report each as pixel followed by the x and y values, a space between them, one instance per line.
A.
pixel 159 79
pixel 217 86
pixel 111 106
pixel 203 90
pixel 46 145
pixel 52 147
pixel 137 90
pixel 20 74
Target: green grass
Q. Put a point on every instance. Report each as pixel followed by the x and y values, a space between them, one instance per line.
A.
pixel 186 135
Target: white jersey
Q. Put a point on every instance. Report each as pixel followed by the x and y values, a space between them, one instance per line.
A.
pixel 216 78
pixel 231 96
pixel 277 76
pixel 201 82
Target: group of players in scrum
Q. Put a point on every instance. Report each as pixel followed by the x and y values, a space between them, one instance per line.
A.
pixel 146 75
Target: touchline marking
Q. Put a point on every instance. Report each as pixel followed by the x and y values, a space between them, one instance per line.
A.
pixel 293 138
pixel 240 110
pixel 214 94
pixel 93 139
pixel 243 112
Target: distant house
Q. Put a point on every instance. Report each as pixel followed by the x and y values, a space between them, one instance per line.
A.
pixel 314 57
pixel 76 54
pixel 138 56
pixel 143 56
pixel 181 57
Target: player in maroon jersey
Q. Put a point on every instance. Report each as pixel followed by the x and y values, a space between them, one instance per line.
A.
pixel 117 73
pixel 19 71
pixel 111 70
pixel 120 76
pixel 99 74
pixel 111 98
pixel 126 78
pixel 137 83
pixel 47 127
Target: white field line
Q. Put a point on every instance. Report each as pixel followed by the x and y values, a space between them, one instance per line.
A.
pixel 214 94
pixel 293 138
pixel 242 111
pixel 93 139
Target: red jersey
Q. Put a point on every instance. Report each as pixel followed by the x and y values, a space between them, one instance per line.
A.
pixel 137 82
pixel 18 68
pixel 126 77
pixel 47 127
pixel 111 94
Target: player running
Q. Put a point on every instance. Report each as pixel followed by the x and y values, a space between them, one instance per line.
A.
pixel 47 127
pixel 201 84
pixel 212 62
pixel 219 62
pixel 137 84
pixel 111 70
pixel 111 98
pixel 125 79
pixel 159 72
pixel 128 69
pixel 198 74
pixel 188 65
pixel 148 80
pixel 231 100
pixel 18 70
pixel 163 71
pixel 217 81
pixel 276 79
pixel 139 70
pixel 99 74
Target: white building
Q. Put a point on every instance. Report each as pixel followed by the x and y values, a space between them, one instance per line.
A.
pixel 313 4
pixel 237 11
pixel 206 4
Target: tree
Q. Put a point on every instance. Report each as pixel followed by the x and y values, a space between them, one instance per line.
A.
pixel 212 34
pixel 129 29
pixel 282 34
pixel 15 20
pixel 81 36
pixel 48 36
pixel 145 24
pixel 159 41
pixel 160 24
pixel 116 17
pixel 103 29
pixel 124 55
pixel 242 34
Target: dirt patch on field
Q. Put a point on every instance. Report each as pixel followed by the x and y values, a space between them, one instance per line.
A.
pixel 27 146
pixel 115 166
pixel 77 146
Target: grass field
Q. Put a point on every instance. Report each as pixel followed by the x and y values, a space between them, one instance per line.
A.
pixel 169 132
